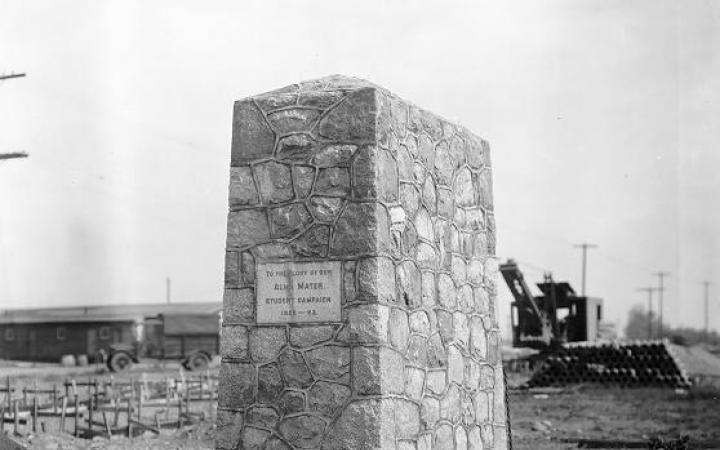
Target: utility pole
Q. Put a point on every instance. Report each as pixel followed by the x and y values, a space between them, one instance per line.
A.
pixel 707 311
pixel 167 290
pixel 661 275
pixel 649 290
pixel 584 246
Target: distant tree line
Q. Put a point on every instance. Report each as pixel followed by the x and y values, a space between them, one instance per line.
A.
pixel 642 325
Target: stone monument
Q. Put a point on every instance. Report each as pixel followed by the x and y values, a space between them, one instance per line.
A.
pixel 359 277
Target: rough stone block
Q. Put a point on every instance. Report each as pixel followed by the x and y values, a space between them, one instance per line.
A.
pixel 330 362
pixel 232 269
pixel 246 228
pixel 291 402
pixel 377 370
pixel 234 342
pixel 429 412
pixel 461 438
pixel 295 372
pixel 359 230
pixel 400 329
pixel 262 416
pixel 253 438
pixel 368 324
pixel 238 306
pixel 436 381
pixel 242 187
pixel 252 137
pixel 353 120
pixel 229 428
pixel 274 181
pixel 306 336
pixel 270 383
pixel 266 343
pixel 302 431
pixel 444 438
pixel 237 385
pixel 420 323
pixel 328 398
pixel 414 381
pixel 356 428
pixel 475 439
pixel 450 404
pixel 407 419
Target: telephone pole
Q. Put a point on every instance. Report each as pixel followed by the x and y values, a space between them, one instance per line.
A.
pixel 167 290
pixel 661 275
pixel 584 246
pixel 707 284
pixel 649 290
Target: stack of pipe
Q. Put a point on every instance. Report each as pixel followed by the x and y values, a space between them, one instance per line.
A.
pixel 627 364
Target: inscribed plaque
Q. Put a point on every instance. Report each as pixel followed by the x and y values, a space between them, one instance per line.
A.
pixel 298 292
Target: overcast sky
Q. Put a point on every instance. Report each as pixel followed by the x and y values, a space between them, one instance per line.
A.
pixel 602 118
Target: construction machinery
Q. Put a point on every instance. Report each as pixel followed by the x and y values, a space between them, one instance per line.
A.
pixel 565 327
pixel 552 319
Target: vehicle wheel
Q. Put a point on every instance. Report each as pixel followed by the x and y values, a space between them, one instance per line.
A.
pixel 119 362
pixel 198 361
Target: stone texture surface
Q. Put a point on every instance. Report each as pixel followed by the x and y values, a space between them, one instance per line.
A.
pixel 340 169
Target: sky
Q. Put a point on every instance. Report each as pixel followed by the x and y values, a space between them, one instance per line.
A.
pixel 601 116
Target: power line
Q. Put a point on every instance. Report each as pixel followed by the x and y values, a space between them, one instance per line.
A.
pixel 11 75
pixel 13 155
pixel 661 275
pixel 626 262
pixel 584 246
pixel 612 257
pixel 538 236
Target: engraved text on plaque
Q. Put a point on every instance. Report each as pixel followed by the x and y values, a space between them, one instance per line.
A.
pixel 293 292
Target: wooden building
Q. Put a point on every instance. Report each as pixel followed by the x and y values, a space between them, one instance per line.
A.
pixel 48 333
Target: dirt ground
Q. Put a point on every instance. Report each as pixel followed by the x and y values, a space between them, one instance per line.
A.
pixel 191 439
pixel 541 419
pixel 198 436
pixel 544 421
pixel 46 374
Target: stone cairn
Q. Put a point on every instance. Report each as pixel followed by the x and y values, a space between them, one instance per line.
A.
pixel 341 170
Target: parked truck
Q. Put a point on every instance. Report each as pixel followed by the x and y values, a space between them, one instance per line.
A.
pixel 190 338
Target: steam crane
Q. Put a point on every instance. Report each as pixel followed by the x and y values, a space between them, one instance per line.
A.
pixel 552 319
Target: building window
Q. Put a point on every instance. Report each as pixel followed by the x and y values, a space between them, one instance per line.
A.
pixel 61 333
pixel 104 333
pixel 9 334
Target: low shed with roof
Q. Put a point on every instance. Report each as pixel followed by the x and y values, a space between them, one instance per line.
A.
pixel 48 333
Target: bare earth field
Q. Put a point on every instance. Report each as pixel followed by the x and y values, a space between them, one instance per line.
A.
pixel 185 440
pixel 192 436
pixel 544 421
pixel 47 374
pixel 540 419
